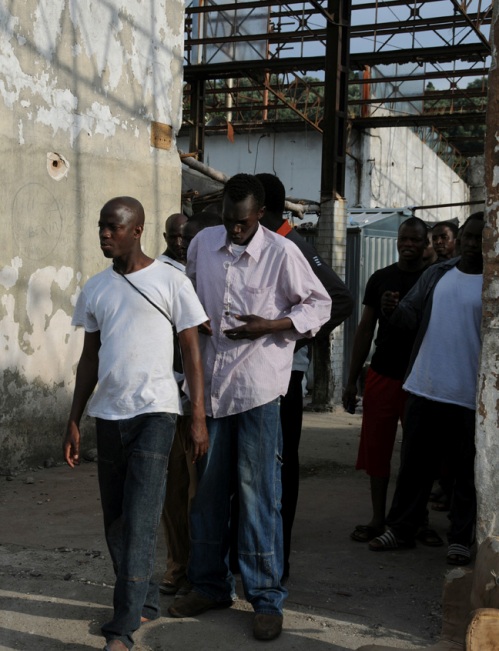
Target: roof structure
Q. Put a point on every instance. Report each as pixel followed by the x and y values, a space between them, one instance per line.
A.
pixel 260 65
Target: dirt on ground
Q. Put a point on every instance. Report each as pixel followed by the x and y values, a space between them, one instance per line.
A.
pixel 56 577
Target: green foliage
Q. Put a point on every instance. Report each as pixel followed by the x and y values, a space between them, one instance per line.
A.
pixel 458 105
pixel 292 98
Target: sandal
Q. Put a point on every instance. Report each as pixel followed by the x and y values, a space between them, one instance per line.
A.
pixel 388 542
pixel 429 537
pixel 458 555
pixel 365 533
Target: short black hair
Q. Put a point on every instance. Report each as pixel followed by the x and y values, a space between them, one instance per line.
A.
pixel 241 186
pixel 478 216
pixel 205 219
pixel 452 226
pixel 275 194
pixel 415 222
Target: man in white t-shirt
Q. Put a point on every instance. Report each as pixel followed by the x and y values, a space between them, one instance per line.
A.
pixel 446 306
pixel 127 312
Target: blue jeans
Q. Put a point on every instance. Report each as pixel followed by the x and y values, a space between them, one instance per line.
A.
pixel 133 458
pixel 244 448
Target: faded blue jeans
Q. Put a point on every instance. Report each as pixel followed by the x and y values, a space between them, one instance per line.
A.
pixel 244 448
pixel 132 463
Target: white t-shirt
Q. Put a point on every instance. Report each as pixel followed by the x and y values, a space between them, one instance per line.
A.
pixel 136 354
pixel 446 366
pixel 174 263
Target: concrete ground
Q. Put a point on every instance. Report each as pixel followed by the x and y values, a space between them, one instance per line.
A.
pixel 56 578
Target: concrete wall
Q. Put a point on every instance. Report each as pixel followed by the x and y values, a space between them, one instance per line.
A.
pixel 386 168
pixel 80 84
pixel 398 169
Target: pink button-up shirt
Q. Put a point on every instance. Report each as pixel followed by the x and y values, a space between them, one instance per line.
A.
pixel 271 279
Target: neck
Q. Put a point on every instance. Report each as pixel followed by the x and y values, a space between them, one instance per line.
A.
pixel 131 263
pixel 470 267
pixel 411 265
pixel 171 255
pixel 272 221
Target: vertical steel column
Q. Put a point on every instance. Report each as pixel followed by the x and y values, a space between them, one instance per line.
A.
pixel 197 111
pixel 332 173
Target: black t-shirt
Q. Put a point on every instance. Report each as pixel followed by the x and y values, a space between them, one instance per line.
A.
pixel 393 345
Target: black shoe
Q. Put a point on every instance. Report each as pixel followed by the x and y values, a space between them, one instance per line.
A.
pixel 267 627
pixel 194 604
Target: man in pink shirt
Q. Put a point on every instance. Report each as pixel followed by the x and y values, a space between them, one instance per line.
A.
pixel 261 296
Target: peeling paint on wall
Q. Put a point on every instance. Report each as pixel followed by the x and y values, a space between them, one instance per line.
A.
pixel 122 43
pixel 38 347
pixel 81 81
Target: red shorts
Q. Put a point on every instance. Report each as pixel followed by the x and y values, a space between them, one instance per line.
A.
pixel 383 406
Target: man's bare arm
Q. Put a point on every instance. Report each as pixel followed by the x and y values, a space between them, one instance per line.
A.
pixel 86 379
pixel 193 369
pixel 361 346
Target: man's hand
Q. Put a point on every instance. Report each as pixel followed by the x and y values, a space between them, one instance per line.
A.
pixel 205 328
pixel 349 398
pixel 71 445
pixel 389 301
pixel 253 328
pixel 199 438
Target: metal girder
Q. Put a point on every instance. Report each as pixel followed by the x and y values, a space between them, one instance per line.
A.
pixel 448 47
pixel 474 20
pixel 436 119
pixel 440 54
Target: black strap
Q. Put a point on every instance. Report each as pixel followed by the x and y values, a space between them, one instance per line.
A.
pixel 144 295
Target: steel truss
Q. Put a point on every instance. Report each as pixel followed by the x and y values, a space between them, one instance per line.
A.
pixel 398 51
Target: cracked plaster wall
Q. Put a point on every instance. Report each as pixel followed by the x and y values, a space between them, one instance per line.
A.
pixel 80 84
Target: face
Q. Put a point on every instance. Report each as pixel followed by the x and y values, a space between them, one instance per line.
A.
pixel 118 230
pixel 174 237
pixel 241 219
pixel 429 255
pixel 190 232
pixel 444 242
pixel 411 243
pixel 471 242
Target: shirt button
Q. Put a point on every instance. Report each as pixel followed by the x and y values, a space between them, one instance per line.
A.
pixel 227 313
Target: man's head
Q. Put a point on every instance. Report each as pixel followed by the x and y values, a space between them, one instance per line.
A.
pixel 443 237
pixel 243 207
pixel 471 243
pixel 429 255
pixel 412 240
pixel 175 246
pixel 197 222
pixel 275 198
pixel 121 224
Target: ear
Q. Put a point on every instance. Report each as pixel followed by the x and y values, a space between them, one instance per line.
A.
pixel 138 230
pixel 261 213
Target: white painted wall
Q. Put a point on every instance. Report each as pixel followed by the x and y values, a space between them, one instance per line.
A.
pixel 82 80
pixel 386 168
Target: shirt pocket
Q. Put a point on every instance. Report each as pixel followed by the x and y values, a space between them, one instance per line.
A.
pixel 261 301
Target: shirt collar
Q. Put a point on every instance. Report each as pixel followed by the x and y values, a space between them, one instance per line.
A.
pixel 253 249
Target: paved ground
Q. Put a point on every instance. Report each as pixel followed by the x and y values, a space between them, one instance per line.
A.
pixel 55 575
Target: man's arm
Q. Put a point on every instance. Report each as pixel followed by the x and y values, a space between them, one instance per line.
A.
pixel 409 311
pixel 341 299
pixel 193 369
pixel 256 326
pixel 361 346
pixel 86 379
